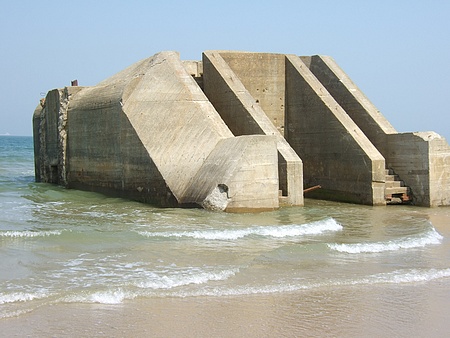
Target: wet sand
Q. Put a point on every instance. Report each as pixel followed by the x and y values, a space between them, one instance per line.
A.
pixel 420 310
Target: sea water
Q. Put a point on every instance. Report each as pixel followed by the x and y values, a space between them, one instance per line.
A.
pixel 60 246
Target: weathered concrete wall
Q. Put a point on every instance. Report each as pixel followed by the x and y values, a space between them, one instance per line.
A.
pixel 194 68
pixel 244 116
pixel 335 152
pixel 263 75
pixel 439 164
pixel 422 160
pixel 36 121
pixel 49 157
pixel 50 134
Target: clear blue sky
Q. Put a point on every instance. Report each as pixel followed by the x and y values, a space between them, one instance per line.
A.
pixel 397 52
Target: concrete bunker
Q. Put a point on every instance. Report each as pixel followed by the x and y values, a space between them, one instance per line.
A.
pixel 235 131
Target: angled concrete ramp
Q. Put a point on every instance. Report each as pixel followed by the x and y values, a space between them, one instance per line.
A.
pixel 420 159
pixel 335 152
pixel 354 102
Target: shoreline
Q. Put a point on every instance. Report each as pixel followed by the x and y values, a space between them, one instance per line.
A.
pixel 338 311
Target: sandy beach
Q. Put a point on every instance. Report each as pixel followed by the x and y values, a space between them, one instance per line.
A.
pixel 391 309
pixel 342 312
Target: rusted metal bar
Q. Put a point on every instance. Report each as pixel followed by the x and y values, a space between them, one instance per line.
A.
pixel 312 188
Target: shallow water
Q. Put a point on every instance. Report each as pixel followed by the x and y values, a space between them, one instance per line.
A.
pixel 322 269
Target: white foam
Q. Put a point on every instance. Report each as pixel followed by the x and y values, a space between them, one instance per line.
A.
pixel 20 297
pixel 431 237
pixel 102 297
pixel 109 297
pixel 185 278
pixel 282 231
pixel 315 228
pixel 410 276
pixel 29 233
pixel 241 290
pixel 11 314
pixel 151 286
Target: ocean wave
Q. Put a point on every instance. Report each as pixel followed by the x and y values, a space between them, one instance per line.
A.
pixel 119 294
pixel 396 277
pixel 282 231
pixel 410 276
pixel 103 297
pixel 185 278
pixel 29 233
pixel 428 238
pixel 15 297
pixel 149 287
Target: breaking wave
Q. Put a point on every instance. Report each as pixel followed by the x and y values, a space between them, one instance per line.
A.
pixel 29 233
pixel 396 277
pixel 15 297
pixel 177 286
pixel 102 297
pixel 283 231
pixel 428 238
pixel 198 277
pixel 149 287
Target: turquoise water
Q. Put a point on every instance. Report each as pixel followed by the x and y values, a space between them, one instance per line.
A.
pixel 60 246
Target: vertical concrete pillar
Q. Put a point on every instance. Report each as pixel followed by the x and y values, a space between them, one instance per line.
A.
pixel 422 160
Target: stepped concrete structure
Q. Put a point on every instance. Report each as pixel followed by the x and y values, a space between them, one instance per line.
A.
pixel 236 131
